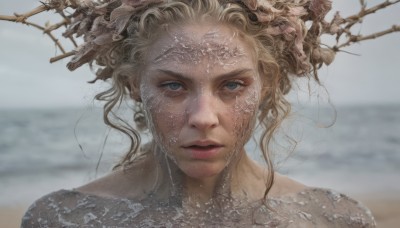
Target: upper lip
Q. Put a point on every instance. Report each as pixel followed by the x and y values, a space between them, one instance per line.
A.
pixel 202 143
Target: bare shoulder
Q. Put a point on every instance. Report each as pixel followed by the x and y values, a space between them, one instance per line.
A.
pixel 111 185
pixel 284 185
pixel 44 212
pixel 324 207
pixel 69 208
pixel 335 209
pixel 125 182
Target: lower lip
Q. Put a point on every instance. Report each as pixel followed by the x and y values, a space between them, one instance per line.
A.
pixel 204 153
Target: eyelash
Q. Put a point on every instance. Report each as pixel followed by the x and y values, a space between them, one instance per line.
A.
pixel 239 85
pixel 168 85
pixel 176 88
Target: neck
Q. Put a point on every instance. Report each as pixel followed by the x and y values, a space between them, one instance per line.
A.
pixel 242 179
pixel 200 190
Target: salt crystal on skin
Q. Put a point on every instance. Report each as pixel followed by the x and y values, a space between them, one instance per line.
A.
pixel 343 213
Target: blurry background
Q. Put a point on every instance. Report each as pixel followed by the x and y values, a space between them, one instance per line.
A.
pixel 51 131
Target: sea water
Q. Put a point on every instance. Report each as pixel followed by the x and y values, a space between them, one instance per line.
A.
pixel 46 150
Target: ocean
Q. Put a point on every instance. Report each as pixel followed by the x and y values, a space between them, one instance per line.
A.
pixel 46 150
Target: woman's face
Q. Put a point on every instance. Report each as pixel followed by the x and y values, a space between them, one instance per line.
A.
pixel 201 91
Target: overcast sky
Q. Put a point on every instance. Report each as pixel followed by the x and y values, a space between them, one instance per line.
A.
pixel 29 80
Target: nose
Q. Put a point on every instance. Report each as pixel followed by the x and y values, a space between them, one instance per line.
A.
pixel 202 112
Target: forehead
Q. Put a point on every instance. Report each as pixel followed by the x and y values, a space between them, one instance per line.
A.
pixel 192 44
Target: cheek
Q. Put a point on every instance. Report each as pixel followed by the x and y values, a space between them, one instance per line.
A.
pixel 165 118
pixel 244 115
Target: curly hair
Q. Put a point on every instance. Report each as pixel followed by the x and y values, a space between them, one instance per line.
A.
pixel 284 36
pixel 276 53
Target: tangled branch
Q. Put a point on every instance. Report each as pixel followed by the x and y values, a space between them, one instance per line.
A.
pixel 341 28
pixel 21 18
pixel 46 29
pixel 358 38
pixel 344 25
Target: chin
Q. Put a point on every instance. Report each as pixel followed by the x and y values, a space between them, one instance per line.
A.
pixel 201 169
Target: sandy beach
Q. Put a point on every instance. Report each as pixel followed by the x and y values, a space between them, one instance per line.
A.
pixel 386 212
pixel 10 217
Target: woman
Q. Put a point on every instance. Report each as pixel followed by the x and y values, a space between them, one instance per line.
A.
pixel 202 75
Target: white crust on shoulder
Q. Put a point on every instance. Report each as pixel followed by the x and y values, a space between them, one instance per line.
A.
pixel 336 209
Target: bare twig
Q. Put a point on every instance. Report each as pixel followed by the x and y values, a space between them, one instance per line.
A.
pixel 73 41
pixel 363 4
pixel 33 25
pixel 338 26
pixel 8 18
pixel 56 26
pixel 355 39
pixel 67 22
pixel 23 17
pixel 56 41
pixel 347 24
pixel 63 56
pixel 364 12
pixel 52 37
pixel 62 14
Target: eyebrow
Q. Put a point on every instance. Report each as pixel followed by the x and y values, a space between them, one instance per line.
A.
pixel 219 77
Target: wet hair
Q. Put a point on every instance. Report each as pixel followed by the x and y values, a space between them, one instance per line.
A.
pixel 276 62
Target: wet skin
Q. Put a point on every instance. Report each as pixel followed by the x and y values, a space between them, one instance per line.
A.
pixel 201 93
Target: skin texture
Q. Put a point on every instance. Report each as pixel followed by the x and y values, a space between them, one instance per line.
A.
pixel 200 86
pixel 202 95
pixel 172 184
pixel 201 91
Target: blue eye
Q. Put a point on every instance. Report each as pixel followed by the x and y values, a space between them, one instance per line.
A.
pixel 232 85
pixel 172 86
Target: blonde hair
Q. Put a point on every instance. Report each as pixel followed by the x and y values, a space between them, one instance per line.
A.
pixel 126 59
